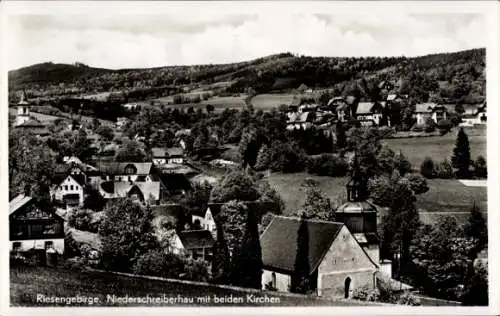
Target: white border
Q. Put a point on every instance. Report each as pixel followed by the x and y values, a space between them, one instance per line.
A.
pixel 490 9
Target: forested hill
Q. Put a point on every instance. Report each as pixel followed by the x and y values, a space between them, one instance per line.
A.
pixel 451 77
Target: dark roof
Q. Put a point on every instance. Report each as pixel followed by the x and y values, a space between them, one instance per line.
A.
pixel 115 168
pixel 279 242
pixel 192 239
pixel 80 178
pixel 108 187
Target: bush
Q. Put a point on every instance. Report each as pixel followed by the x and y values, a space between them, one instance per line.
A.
pixel 427 168
pixel 444 126
pixel 366 294
pixel 159 263
pixel 106 132
pixel 430 125
pixel 327 165
pixel 81 220
pixel 480 168
pixel 418 128
pixel 417 183
pixel 444 170
pixel 195 270
pixel 408 298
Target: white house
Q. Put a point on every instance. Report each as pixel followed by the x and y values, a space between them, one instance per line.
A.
pixel 71 190
pixel 206 219
pixel 423 111
pixel 370 111
pixel 34 227
pixel 162 156
pixel 474 115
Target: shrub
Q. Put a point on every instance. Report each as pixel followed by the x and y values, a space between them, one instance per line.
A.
pixel 195 270
pixel 480 167
pixel 159 263
pixel 417 183
pixel 427 168
pixel 417 128
pixel 444 170
pixel 366 294
pixel 327 165
pixel 81 219
pixel 408 298
pixel 430 125
pixel 444 126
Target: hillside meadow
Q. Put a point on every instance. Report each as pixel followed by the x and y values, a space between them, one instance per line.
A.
pixel 438 147
pixel 28 282
pixel 445 197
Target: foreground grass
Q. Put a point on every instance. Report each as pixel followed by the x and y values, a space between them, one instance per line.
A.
pixel 27 282
pixel 445 197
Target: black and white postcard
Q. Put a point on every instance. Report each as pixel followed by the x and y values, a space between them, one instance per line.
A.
pixel 325 157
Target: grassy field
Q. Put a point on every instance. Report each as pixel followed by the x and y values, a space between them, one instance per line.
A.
pixel 267 102
pixel 444 196
pixel 438 147
pixel 27 282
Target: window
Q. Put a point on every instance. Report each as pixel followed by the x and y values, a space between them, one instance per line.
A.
pixel 71 187
pixel 65 188
pixel 16 246
pixel 273 280
pixel 48 245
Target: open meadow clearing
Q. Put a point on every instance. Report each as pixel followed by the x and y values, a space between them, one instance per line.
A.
pixel 27 282
pixel 438 147
pixel 444 196
pixel 267 102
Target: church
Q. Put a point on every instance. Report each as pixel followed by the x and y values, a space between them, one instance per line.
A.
pixel 335 257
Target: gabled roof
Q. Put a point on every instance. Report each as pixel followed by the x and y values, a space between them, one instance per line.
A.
pixel 427 107
pixel 18 202
pixel 279 242
pixel 122 188
pixel 117 168
pixel 79 178
pixel 365 108
pixel 335 99
pixel 195 239
pixel 159 152
pixel 175 151
pixel 392 97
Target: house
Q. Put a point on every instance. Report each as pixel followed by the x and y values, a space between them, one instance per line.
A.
pixel 205 218
pixel 32 126
pixel 32 226
pixel 141 191
pixel 127 171
pixel 175 155
pixel 474 114
pixel 299 120
pixel 423 111
pixel 71 190
pixel 370 111
pixel 131 106
pixel 196 243
pixel 333 260
pixel 162 156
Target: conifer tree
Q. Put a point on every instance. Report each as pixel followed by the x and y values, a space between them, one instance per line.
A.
pixel 263 158
pixel 341 135
pixel 461 155
pixel 300 278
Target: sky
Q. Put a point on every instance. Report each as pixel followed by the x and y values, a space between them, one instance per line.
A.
pixel 114 40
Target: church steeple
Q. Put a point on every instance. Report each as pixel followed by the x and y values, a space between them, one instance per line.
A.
pixel 357 187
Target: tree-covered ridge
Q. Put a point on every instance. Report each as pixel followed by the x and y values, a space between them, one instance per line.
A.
pixel 447 77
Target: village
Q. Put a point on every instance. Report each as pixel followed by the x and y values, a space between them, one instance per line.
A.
pixel 330 251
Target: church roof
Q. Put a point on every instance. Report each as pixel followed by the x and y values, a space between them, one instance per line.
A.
pixel 279 242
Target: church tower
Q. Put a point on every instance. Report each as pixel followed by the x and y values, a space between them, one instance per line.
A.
pixel 359 215
pixel 23 111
